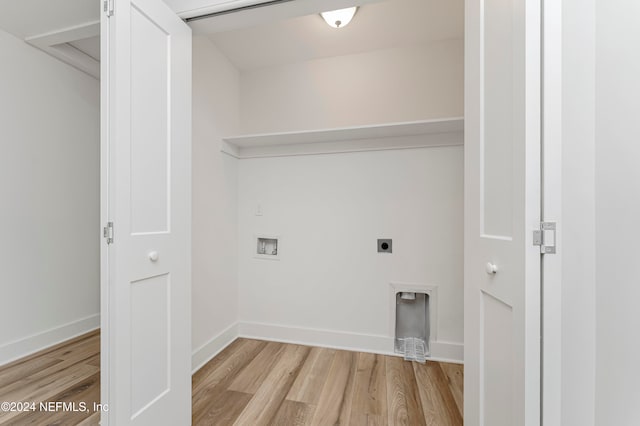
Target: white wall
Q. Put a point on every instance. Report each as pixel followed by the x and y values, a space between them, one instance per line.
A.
pixel 313 200
pixel 215 114
pixel 401 84
pixel 49 189
pixel 617 183
pixel 329 211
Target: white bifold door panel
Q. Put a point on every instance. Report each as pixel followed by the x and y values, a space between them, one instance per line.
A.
pixel 502 208
pixel 146 120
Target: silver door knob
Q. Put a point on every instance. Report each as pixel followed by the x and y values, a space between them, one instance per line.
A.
pixel 490 268
pixel 153 256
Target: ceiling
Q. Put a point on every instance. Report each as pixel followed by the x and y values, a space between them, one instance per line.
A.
pixel 381 25
pixel 376 25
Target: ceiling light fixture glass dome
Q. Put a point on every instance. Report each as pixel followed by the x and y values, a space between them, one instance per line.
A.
pixel 339 18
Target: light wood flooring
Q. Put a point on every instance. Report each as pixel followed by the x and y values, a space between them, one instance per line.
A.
pixel 253 383
pixel 69 372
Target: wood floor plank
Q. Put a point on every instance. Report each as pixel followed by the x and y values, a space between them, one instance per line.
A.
pixel 46 388
pixel 87 392
pixel 219 378
pixel 75 355
pixel 29 389
pixel 286 385
pixel 293 413
pixel 214 363
pixel 12 375
pixel 226 368
pixel 50 361
pixel 367 420
pixel 225 410
pixel 439 405
pixel 309 382
pixel 93 420
pixel 404 404
pixel 412 395
pixel 45 352
pixel 334 405
pixel 94 360
pixel 252 376
pixel 370 391
pixel 396 405
pixel 455 378
pixel 77 351
pixel 266 402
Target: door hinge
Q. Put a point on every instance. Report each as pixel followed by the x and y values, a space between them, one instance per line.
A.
pixel 107 232
pixel 108 6
pixel 545 237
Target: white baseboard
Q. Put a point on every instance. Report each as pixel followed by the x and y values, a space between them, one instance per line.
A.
pixel 447 352
pixel 28 345
pixel 206 352
pixel 440 351
pixel 317 337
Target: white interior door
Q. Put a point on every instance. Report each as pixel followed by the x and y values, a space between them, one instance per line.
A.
pixel 502 208
pixel 146 325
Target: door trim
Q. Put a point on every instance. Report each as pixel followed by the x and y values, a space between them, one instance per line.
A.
pixel 105 216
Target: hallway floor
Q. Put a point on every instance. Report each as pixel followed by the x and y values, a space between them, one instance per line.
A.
pixel 69 373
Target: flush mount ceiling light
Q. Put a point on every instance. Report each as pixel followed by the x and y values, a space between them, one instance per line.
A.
pixel 339 18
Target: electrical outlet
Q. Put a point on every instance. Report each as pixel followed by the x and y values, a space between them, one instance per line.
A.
pixel 385 245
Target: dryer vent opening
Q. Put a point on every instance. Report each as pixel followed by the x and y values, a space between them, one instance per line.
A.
pixel 412 325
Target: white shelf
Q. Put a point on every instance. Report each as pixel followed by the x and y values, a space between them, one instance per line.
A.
pixel 414 134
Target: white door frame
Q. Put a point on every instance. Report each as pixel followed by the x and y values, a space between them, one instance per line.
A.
pixel 105 214
pixel 552 271
pixel 551 161
pixel 569 276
